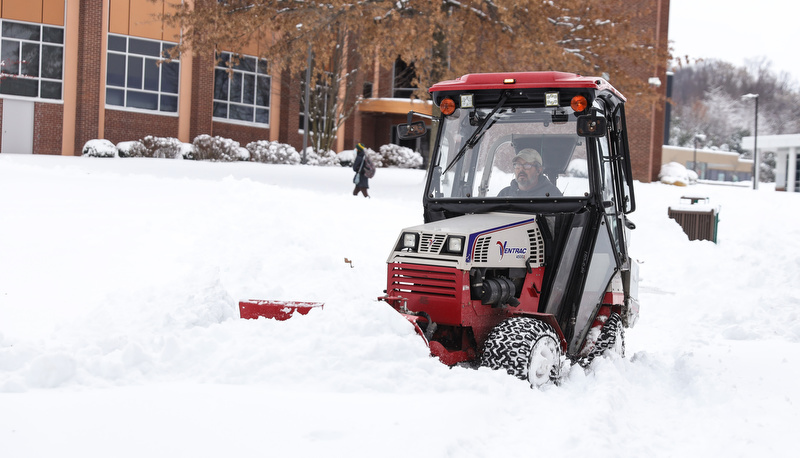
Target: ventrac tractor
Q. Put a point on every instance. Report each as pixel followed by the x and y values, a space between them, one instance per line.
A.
pixel 511 278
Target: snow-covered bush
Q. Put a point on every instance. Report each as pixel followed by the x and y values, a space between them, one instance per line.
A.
pixel 397 156
pixel 158 147
pixel 273 152
pixel 208 148
pixel 187 151
pixel 242 154
pixel 347 157
pixel 325 159
pixel 676 174
pixel 150 146
pixel 99 148
pixel 161 147
pixel 131 149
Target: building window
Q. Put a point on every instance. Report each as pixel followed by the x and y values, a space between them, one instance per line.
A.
pixel 31 60
pixel 137 77
pixel 242 89
pixel 403 86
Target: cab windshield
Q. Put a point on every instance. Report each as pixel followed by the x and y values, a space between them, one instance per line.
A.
pixel 498 156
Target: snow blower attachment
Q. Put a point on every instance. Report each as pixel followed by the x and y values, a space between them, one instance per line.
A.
pixel 522 261
pixel 276 310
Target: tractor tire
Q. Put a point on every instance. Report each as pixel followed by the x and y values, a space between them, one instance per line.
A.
pixel 526 348
pixel 612 338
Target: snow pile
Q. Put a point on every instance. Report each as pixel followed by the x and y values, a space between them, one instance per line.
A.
pixel 119 333
pixel 676 174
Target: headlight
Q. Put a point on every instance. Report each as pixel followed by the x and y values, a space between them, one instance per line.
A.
pixel 455 245
pixel 409 241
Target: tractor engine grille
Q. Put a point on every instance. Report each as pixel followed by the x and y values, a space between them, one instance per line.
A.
pixel 537 246
pixel 483 246
pixel 431 243
pixel 482 249
pixel 426 280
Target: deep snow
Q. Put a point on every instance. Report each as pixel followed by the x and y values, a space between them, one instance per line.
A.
pixel 119 329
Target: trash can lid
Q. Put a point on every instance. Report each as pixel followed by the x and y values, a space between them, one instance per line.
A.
pixel 695 200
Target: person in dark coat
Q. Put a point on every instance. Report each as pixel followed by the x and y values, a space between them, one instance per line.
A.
pixel 528 177
pixel 361 181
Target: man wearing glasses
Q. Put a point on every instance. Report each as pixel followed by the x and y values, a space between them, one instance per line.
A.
pixel 528 178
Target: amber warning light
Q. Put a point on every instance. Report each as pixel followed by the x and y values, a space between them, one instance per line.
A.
pixel 579 103
pixel 448 106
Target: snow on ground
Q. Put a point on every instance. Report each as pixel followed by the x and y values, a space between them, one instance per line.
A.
pixel 120 336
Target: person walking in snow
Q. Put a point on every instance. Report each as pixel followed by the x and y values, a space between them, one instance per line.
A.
pixel 364 170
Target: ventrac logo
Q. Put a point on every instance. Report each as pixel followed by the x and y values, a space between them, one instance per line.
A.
pixel 519 253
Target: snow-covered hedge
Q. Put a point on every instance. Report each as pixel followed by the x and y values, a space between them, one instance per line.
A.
pixel 208 148
pixel 321 158
pixel 160 147
pixel 130 149
pixel 347 157
pixel 273 153
pixel 99 148
pixel 397 156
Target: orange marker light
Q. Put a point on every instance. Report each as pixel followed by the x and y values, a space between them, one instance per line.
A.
pixel 448 106
pixel 579 103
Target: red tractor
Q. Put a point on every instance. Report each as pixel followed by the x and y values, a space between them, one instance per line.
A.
pixel 522 262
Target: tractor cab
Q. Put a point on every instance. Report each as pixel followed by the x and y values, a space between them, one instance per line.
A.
pixel 576 125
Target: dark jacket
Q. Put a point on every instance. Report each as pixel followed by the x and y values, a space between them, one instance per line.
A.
pixel 544 188
pixel 358 164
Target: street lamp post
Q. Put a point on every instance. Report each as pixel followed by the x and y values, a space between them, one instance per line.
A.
pixel 755 140
pixel 697 138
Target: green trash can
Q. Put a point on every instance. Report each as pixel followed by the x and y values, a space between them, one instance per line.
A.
pixel 697 216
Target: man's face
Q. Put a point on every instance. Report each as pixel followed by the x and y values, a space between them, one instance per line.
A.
pixel 527 174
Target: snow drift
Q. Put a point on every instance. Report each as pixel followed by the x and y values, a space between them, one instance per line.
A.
pixel 119 333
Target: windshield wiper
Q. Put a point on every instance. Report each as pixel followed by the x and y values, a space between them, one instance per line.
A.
pixel 482 127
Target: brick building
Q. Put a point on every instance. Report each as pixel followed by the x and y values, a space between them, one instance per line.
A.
pixel 76 70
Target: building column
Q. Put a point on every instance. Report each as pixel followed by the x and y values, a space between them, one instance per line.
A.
pixel 70 82
pixel 90 65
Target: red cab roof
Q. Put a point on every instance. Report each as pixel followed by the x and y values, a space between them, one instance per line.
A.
pixel 523 80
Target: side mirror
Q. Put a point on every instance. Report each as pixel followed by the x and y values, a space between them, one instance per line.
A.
pixel 411 130
pixel 591 126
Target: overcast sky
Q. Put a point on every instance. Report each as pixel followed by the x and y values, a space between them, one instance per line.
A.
pixel 736 30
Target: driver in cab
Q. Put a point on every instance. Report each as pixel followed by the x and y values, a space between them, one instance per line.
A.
pixel 528 178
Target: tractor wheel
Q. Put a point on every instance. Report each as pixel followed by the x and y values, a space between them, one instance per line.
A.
pixel 612 338
pixel 526 348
